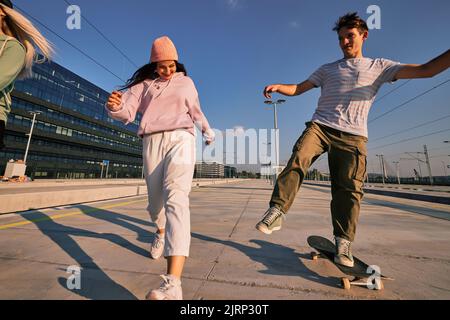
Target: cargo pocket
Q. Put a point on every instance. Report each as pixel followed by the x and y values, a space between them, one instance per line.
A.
pixel 299 141
pixel 361 165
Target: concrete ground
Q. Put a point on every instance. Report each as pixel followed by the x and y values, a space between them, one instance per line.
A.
pixel 41 194
pixel 409 240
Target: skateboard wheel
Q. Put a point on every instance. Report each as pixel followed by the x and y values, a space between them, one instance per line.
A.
pixel 314 256
pixel 345 283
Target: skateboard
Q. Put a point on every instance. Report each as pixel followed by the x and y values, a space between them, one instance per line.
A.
pixel 360 274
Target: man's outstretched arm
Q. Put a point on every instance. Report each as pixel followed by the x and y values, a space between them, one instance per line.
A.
pixel 427 70
pixel 288 89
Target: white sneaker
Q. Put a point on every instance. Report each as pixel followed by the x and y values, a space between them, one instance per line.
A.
pixel 170 289
pixel 157 247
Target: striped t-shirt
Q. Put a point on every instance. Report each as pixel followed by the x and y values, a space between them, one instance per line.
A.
pixel 348 89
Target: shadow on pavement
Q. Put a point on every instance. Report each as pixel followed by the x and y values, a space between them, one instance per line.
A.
pixel 124 221
pixel 95 283
pixel 278 259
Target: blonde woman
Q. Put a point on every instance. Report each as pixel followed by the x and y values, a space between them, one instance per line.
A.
pixel 18 40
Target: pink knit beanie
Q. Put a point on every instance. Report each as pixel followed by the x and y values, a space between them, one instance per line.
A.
pixel 163 49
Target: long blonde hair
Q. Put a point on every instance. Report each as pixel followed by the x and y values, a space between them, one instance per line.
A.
pixel 19 27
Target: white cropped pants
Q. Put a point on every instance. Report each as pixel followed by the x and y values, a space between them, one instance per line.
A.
pixel 169 160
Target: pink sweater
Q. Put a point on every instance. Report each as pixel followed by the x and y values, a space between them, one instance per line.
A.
pixel 166 105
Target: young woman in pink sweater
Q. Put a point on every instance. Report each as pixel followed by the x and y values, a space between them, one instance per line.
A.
pixel 168 101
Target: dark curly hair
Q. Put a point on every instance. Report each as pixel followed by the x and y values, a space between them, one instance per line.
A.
pixel 351 20
pixel 148 71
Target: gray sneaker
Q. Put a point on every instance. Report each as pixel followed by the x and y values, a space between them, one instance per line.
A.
pixel 170 289
pixel 157 247
pixel 343 254
pixel 271 221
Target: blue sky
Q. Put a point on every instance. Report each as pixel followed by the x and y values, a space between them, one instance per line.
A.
pixel 233 48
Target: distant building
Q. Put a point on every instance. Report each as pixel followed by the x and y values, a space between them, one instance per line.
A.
pixel 230 172
pixel 73 133
pixel 209 170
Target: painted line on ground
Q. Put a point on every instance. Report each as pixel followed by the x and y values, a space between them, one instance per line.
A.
pixel 69 214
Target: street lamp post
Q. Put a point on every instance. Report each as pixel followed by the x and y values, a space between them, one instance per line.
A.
pixel 275 120
pixel 381 157
pixel 397 164
pixel 445 168
pixel 34 113
pixel 107 169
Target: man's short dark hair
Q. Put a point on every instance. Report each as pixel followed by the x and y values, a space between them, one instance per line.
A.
pixel 7 3
pixel 351 20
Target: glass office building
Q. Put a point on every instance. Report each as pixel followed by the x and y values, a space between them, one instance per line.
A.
pixel 73 134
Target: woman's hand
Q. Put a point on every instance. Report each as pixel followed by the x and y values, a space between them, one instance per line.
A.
pixel 210 136
pixel 114 101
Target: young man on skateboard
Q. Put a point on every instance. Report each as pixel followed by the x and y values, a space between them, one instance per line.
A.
pixel 339 127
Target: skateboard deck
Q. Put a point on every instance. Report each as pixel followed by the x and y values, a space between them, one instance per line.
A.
pixel 361 272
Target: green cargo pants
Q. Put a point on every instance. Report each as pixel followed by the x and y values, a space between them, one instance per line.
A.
pixel 347 162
